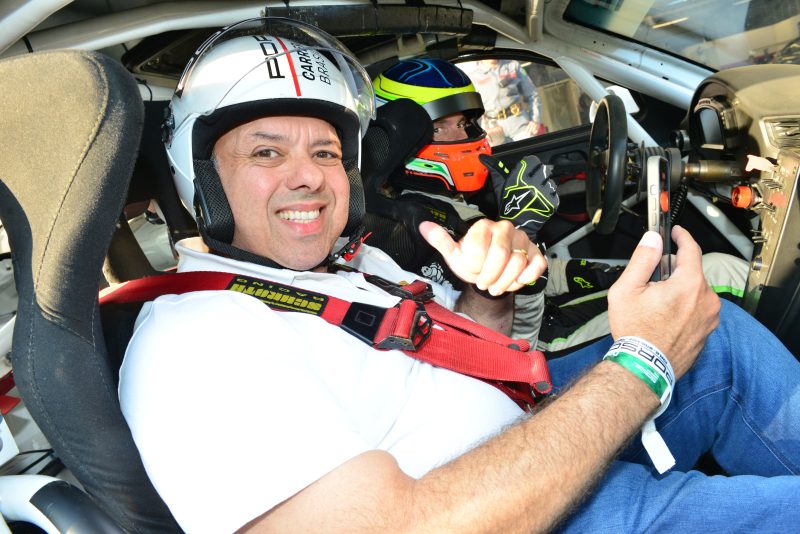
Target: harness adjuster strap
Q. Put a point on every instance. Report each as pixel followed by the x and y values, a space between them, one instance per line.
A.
pixel 421 291
pixel 417 290
pixel 406 326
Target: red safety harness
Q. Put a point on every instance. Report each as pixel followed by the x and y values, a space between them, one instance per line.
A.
pixel 416 325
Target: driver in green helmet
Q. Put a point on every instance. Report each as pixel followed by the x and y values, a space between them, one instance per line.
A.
pixel 448 177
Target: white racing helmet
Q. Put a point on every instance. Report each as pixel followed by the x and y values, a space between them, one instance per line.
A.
pixel 258 68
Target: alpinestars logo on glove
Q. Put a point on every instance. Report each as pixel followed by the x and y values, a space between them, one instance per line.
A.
pixel 534 200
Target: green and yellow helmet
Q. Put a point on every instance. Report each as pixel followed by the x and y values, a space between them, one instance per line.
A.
pixel 442 89
pixel 437 85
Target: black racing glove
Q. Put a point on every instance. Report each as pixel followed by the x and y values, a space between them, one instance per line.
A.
pixel 525 196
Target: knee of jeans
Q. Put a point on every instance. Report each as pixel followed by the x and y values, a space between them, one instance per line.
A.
pixel 738 333
pixel 725 337
pixel 736 322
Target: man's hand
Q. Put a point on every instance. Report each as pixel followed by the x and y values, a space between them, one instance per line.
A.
pixel 497 136
pixel 489 255
pixel 675 315
pixel 534 128
pixel 525 196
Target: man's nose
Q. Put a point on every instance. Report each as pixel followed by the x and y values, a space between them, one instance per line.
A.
pixel 306 173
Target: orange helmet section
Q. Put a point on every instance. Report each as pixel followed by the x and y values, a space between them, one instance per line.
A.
pixel 451 166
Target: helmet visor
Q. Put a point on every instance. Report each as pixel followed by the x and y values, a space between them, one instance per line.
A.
pixel 298 37
pixel 468 103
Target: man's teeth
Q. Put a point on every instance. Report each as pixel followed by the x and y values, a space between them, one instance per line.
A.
pixel 303 217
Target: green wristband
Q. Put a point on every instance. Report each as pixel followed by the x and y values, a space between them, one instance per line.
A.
pixel 649 364
pixel 654 381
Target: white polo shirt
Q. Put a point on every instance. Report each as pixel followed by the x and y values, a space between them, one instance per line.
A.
pixel 236 407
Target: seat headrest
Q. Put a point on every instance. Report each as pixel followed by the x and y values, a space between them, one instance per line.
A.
pixel 400 130
pixel 71 124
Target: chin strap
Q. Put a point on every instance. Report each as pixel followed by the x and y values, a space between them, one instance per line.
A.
pixel 347 252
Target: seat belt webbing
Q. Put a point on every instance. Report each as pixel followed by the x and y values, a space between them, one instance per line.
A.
pixel 454 343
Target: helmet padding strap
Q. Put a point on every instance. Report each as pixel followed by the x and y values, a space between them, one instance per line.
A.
pixel 357 208
pixel 209 128
pixel 214 215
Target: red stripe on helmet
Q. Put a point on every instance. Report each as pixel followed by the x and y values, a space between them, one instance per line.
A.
pixel 291 67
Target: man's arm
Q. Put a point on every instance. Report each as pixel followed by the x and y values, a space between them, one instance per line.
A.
pixel 495 313
pixel 523 480
pixel 485 257
pixel 528 477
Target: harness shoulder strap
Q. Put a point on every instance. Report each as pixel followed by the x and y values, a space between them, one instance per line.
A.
pixel 416 325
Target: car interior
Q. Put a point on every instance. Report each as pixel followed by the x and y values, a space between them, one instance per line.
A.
pixel 81 139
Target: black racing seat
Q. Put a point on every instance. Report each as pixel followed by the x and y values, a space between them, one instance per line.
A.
pixel 70 124
pixel 401 128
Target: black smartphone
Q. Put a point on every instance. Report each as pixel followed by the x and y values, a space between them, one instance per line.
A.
pixel 658 207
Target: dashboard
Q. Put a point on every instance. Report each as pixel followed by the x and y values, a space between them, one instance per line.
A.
pixel 744 129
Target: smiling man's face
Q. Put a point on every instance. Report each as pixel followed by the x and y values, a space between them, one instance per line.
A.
pixel 286 186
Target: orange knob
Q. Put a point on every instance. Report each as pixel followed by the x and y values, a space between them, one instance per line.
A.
pixel 742 196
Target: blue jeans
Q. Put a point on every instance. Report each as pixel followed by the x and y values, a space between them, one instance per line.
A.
pixel 741 402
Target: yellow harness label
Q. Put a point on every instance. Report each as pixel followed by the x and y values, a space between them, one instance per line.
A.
pixel 278 296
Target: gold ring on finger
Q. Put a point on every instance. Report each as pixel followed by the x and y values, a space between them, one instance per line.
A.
pixel 520 251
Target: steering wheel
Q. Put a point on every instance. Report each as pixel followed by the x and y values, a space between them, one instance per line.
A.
pixel 607 151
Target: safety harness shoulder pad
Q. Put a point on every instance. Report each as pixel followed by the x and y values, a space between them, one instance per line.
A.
pixel 416 325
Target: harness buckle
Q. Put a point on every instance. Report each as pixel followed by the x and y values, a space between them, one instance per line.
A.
pixel 410 327
pixel 406 326
pixel 363 321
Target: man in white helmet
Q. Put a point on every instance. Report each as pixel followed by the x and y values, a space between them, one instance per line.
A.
pixel 248 417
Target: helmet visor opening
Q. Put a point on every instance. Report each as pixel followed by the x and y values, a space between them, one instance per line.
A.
pixel 472 132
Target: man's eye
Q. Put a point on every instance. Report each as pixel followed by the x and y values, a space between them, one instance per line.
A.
pixel 462 125
pixel 266 153
pixel 327 154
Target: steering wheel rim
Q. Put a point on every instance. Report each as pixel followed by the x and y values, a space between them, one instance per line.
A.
pixel 608 143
